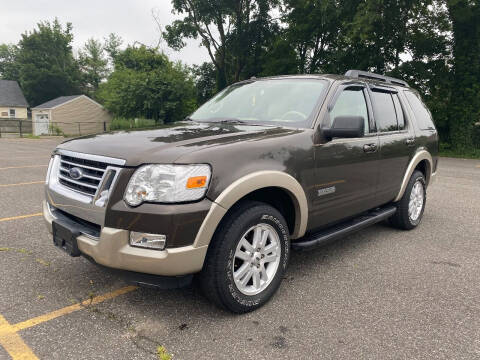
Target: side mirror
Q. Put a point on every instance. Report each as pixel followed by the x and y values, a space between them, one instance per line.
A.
pixel 346 127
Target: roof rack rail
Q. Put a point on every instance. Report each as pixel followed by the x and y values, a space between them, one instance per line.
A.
pixel 373 76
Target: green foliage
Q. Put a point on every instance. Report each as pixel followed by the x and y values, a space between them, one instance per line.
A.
pixel 31 136
pixel 205 81
pixel 233 32
pixel 93 65
pixel 465 105
pixel 112 45
pixel 8 66
pixel 433 44
pixel 448 150
pixel 162 353
pixel 46 66
pixel 314 31
pixel 119 123
pixel 54 129
pixel 280 58
pixel 146 84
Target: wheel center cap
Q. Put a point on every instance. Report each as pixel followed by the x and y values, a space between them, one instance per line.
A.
pixel 256 258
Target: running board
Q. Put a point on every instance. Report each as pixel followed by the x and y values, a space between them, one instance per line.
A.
pixel 343 229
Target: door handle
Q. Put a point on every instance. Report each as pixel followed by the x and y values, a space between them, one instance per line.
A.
pixel 410 141
pixel 370 148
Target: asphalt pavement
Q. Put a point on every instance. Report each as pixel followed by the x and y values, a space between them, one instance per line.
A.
pixel 378 294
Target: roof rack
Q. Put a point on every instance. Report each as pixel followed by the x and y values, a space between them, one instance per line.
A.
pixel 373 76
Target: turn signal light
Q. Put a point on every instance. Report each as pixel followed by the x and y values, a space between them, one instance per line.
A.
pixel 196 182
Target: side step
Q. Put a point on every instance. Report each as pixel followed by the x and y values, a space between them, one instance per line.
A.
pixel 340 230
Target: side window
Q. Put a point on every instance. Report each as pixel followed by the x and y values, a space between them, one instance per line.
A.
pixel 384 111
pixel 351 102
pixel 399 111
pixel 422 114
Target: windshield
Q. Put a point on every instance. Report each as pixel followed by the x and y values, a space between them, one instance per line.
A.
pixel 287 102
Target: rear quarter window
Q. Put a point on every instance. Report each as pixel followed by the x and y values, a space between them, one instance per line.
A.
pixel 422 114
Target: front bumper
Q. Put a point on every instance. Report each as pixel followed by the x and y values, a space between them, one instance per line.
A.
pixel 112 249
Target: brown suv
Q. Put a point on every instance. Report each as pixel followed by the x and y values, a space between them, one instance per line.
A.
pixel 264 166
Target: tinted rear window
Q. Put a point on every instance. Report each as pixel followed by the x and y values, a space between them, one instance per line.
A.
pixel 384 110
pixel 399 110
pixel 422 114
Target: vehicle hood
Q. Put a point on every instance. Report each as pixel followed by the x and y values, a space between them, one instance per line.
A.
pixel 167 144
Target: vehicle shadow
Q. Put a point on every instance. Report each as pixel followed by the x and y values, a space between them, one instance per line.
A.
pixel 187 304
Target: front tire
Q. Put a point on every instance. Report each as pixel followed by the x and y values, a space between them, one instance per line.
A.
pixel 411 206
pixel 247 257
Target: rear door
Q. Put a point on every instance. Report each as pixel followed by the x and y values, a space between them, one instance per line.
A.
pixel 346 169
pixel 397 141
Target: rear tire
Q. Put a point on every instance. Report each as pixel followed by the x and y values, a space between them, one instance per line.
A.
pixel 412 204
pixel 247 258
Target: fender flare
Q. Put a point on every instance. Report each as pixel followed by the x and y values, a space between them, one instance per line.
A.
pixel 419 156
pixel 244 186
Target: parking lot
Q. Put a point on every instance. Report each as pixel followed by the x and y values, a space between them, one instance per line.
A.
pixel 378 294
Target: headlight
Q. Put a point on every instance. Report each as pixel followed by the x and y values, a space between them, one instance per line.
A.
pixel 167 184
pixel 49 169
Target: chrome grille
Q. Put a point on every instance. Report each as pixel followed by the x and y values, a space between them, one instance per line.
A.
pixel 92 173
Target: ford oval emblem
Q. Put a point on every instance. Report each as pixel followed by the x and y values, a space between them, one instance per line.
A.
pixel 75 173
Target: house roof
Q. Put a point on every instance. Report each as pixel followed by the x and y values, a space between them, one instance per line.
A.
pixel 11 94
pixel 56 102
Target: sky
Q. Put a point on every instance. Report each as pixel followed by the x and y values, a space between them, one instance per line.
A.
pixel 130 19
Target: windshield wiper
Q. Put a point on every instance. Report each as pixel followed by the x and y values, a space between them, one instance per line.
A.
pixel 233 121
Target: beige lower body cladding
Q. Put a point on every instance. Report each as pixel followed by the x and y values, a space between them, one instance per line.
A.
pixel 113 250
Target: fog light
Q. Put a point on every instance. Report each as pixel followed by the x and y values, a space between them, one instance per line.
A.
pixel 149 241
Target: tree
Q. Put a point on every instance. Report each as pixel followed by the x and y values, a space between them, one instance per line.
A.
pixel 228 29
pixel 314 30
pixel 465 105
pixel 112 45
pixel 279 58
pixel 205 81
pixel 8 64
pixel 47 68
pixel 145 83
pixel 93 65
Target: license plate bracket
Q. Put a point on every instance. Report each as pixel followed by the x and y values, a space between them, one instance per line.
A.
pixel 65 238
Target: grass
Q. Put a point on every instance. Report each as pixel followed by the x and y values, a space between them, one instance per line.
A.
pixel 119 123
pixel 31 136
pixel 162 353
pixel 447 151
pixel 139 124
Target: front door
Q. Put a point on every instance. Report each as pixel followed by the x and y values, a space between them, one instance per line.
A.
pixel 346 169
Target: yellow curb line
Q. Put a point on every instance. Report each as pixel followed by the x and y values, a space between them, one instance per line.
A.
pixel 24 183
pixel 20 217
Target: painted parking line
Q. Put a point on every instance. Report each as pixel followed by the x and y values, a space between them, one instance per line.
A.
pixel 20 217
pixel 26 157
pixel 72 308
pixel 22 167
pixel 24 183
pixel 13 343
